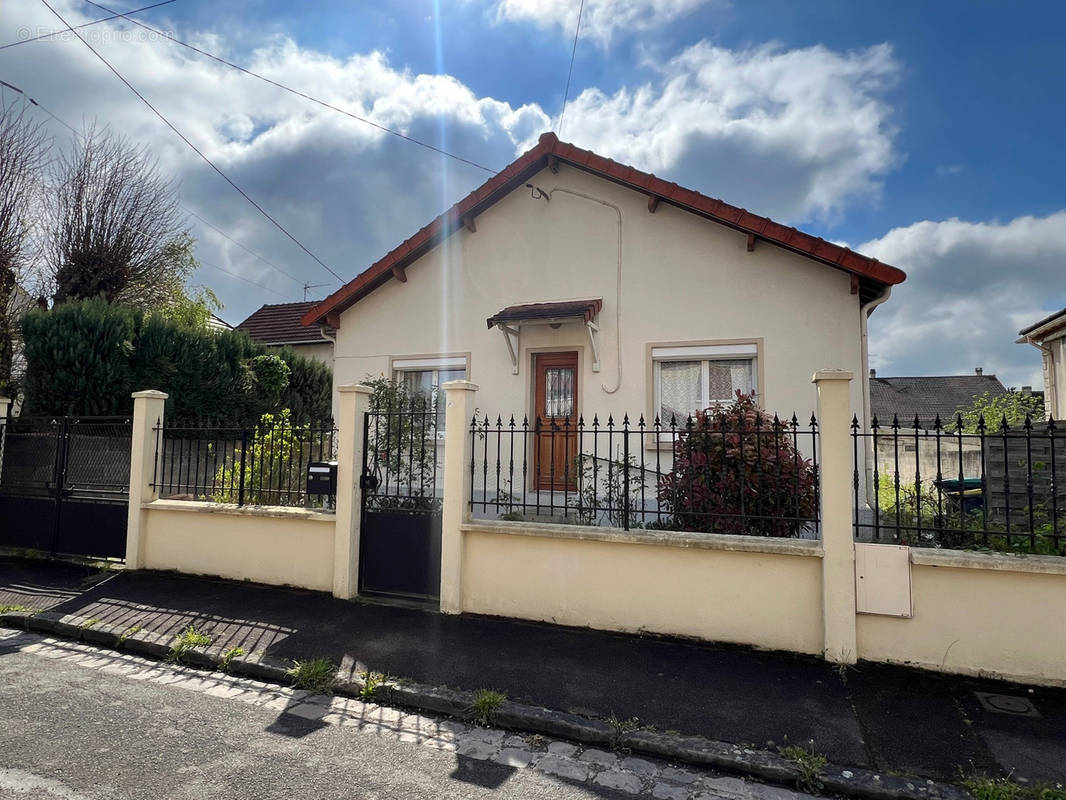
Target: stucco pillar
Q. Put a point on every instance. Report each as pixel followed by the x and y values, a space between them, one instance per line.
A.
pixel 838 543
pixel 457 451
pixel 147 425
pixel 352 404
pixel 5 406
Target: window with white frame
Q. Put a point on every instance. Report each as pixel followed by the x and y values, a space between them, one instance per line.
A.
pixel 691 378
pixel 425 376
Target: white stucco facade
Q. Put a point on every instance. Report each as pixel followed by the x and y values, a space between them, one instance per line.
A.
pixel 683 280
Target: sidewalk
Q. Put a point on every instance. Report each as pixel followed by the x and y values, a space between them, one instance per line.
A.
pixel 889 719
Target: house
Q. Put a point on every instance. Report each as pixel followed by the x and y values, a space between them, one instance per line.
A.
pixel 1049 337
pixel 217 324
pixel 278 325
pixel 570 285
pixel 928 397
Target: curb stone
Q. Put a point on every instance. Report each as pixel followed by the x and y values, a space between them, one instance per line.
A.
pixel 852 781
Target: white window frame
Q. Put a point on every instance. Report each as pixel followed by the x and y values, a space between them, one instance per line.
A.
pixel 704 354
pixel 434 365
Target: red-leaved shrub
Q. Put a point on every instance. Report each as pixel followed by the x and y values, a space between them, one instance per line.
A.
pixel 737 471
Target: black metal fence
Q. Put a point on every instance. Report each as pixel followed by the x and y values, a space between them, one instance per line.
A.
pixel 988 486
pixel 717 472
pixel 265 465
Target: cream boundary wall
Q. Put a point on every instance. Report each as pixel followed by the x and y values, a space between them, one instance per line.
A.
pixel 766 593
pixel 977 614
pixel 281 546
pixel 684 279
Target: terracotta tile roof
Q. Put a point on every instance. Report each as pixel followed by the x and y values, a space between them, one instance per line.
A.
pixel 549 148
pixel 586 309
pixel 927 396
pixel 280 324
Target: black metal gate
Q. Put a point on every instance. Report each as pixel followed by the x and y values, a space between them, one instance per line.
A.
pixel 64 484
pixel 399 542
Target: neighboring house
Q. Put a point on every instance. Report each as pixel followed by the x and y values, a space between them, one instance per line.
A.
pixel 279 325
pixel 1049 337
pixel 216 323
pixel 569 284
pixel 928 397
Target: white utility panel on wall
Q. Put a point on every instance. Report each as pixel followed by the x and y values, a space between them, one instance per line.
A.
pixel 883 579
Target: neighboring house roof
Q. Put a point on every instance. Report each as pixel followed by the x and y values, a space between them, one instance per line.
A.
pixel 927 397
pixel 871 274
pixel 1051 324
pixel 280 324
pixel 216 323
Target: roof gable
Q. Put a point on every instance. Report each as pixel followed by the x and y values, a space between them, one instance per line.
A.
pixel 549 152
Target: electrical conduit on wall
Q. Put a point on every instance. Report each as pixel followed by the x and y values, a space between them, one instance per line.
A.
pixel 618 285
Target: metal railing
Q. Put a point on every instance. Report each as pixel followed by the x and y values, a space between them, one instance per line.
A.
pixel 265 465
pixel 402 460
pixel 987 486
pixel 714 472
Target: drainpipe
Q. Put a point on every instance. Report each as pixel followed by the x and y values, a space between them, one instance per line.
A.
pixel 864 317
pixel 1050 382
pixel 618 286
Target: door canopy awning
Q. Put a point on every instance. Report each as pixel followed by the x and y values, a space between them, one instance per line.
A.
pixel 583 312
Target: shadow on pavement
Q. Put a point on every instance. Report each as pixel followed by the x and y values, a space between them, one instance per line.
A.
pixel 885 717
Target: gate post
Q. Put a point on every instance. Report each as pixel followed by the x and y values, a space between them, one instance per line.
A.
pixel 838 540
pixel 147 417
pixel 352 405
pixel 5 406
pixel 458 450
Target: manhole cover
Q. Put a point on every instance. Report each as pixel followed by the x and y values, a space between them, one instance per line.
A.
pixel 1007 704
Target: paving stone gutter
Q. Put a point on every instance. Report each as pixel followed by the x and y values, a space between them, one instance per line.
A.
pixel 695 750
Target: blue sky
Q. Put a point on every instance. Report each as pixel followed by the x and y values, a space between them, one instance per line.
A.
pixel 926 134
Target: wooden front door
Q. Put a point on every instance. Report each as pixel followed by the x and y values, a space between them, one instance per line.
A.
pixel 555 414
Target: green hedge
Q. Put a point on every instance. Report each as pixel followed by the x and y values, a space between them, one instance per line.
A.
pixel 88 357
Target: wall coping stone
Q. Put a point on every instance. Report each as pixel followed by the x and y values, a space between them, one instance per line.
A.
pixel 231 509
pixel 700 541
pixel 1002 562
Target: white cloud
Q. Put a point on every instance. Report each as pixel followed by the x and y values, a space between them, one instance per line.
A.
pixel 970 287
pixel 601 19
pixel 792 134
pixel 788 133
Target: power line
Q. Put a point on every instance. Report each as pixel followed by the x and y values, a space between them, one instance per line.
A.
pixel 249 250
pixel 85 25
pixel 266 261
pixel 569 73
pixel 242 278
pixel 298 93
pixel 193 147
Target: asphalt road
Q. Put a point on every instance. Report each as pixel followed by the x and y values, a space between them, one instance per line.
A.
pixel 78 722
pixel 76 733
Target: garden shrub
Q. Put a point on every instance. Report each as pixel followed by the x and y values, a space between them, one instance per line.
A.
pixel 87 358
pixel 274 464
pixel 736 471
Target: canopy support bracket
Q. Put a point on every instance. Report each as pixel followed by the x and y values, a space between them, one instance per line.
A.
pixel 594 343
pixel 510 337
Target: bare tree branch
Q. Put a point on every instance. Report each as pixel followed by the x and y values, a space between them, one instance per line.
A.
pixel 115 228
pixel 24 147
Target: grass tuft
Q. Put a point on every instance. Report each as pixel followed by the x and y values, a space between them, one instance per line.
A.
pixel 234 652
pixel 187 640
pixel 316 675
pixel 620 728
pixel 6 608
pixel 808 763
pixel 371 684
pixel 482 711
pixel 984 788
